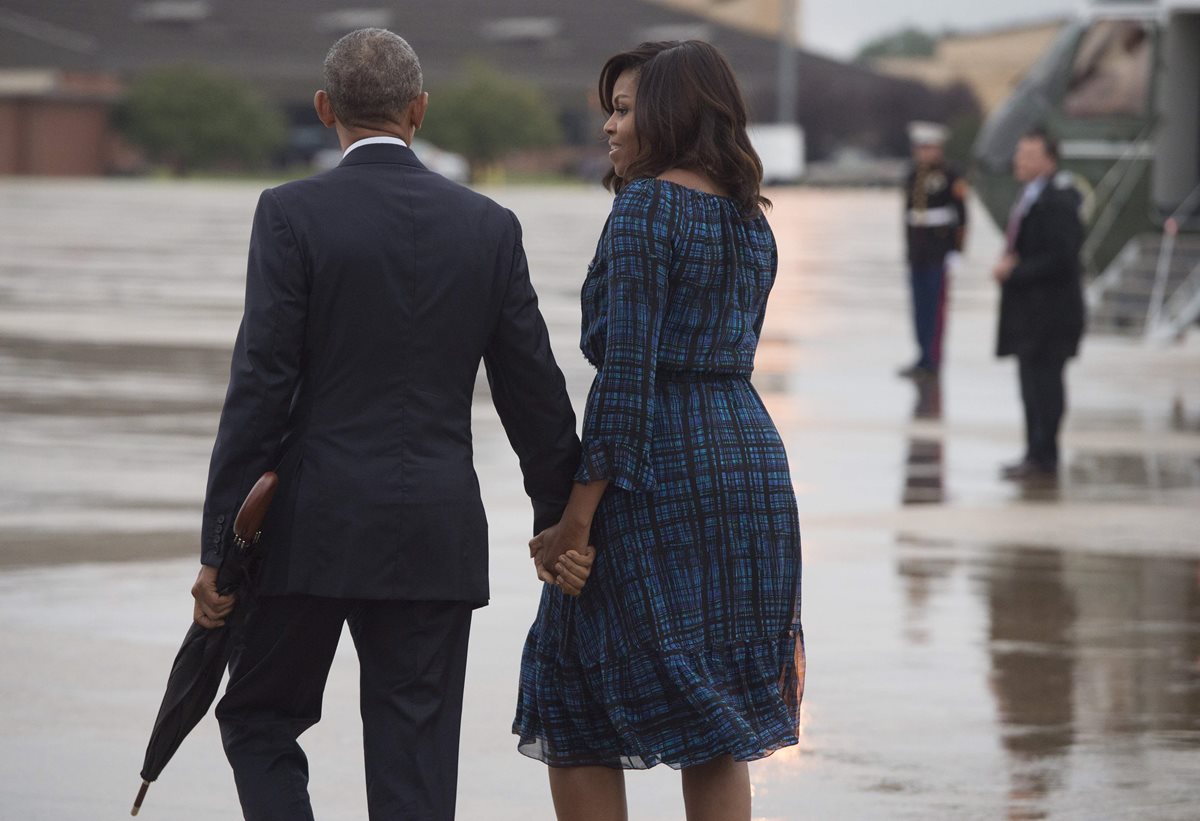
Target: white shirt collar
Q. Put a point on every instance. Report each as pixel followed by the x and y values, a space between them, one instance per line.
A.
pixel 1035 188
pixel 373 141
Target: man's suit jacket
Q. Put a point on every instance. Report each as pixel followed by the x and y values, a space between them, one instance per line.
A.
pixel 1041 304
pixel 372 293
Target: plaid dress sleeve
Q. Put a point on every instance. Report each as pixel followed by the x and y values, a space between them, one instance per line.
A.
pixel 619 417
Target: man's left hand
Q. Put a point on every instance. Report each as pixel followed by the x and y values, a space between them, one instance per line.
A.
pixel 548 547
pixel 211 607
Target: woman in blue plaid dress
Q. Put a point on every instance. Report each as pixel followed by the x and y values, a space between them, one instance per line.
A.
pixel 685 645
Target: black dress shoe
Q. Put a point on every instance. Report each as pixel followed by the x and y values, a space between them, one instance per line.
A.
pixel 1015 468
pixel 1030 470
pixel 917 372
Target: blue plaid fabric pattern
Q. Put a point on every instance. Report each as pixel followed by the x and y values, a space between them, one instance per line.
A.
pixel 686 643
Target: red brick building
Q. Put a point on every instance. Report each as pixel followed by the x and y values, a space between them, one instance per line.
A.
pixel 56 123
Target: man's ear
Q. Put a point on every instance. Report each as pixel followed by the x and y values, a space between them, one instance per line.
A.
pixel 324 109
pixel 417 109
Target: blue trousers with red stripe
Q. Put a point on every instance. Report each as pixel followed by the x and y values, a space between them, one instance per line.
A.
pixel 929 290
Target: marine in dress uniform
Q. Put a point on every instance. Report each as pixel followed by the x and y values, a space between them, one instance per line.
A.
pixel 935 216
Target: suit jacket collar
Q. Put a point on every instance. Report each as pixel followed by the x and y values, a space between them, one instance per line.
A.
pixel 1044 184
pixel 1035 190
pixel 386 153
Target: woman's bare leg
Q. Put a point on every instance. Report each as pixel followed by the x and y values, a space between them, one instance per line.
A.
pixel 588 793
pixel 717 790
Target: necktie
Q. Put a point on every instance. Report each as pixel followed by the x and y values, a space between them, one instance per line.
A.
pixel 1016 215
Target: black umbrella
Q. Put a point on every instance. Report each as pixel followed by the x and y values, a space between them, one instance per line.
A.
pixel 204 654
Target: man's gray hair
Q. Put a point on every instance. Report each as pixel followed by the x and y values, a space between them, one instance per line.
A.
pixel 371 75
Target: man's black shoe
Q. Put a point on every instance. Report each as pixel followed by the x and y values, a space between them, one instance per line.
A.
pixel 1029 469
pixel 1015 468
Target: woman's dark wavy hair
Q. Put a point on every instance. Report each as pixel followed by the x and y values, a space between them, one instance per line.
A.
pixel 689 113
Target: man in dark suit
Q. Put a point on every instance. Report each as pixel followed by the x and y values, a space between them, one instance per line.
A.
pixel 373 292
pixel 1041 297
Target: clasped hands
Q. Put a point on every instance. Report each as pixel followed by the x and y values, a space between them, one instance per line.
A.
pixel 562 557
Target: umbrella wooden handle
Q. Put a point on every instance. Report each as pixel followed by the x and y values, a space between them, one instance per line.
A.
pixel 249 519
pixel 137 802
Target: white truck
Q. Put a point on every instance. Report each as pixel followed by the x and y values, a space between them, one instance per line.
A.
pixel 780 146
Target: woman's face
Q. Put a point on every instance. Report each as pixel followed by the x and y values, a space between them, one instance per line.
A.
pixel 620 128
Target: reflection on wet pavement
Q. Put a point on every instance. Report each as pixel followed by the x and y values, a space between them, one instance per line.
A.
pixel 1088 475
pixel 1030 613
pixel 1152 471
pixel 1093 665
pixel 924 465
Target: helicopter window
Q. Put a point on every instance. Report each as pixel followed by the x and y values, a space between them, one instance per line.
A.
pixel 1110 76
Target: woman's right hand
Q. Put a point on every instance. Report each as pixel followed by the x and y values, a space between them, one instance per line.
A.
pixel 573 569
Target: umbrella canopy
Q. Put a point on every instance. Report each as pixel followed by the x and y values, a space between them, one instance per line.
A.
pixel 200 663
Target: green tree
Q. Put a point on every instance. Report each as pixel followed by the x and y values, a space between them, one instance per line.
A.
pixel 488 114
pixel 192 118
pixel 906 42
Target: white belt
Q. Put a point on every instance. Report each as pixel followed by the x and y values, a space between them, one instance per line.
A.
pixel 933 217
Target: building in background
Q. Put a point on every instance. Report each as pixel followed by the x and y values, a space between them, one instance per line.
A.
pixel 761 17
pixel 991 62
pixel 56 123
pixel 558 45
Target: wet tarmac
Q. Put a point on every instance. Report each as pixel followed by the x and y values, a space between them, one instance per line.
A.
pixel 976 649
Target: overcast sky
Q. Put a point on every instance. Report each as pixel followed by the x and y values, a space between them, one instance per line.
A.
pixel 839 27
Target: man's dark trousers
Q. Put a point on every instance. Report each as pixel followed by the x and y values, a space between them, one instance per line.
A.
pixel 412 656
pixel 1044 397
pixel 929 284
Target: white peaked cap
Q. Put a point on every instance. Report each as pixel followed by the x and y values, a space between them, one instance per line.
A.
pixel 926 133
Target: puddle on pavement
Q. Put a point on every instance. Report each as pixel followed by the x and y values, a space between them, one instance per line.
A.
pixel 954 680
pixel 1092 662
pixel 1086 475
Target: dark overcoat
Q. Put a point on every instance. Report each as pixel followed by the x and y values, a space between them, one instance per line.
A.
pixel 1041 304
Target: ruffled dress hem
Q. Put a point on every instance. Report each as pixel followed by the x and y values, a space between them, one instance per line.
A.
pixel 741 699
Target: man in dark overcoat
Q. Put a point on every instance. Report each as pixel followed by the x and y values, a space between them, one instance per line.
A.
pixel 1041 297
